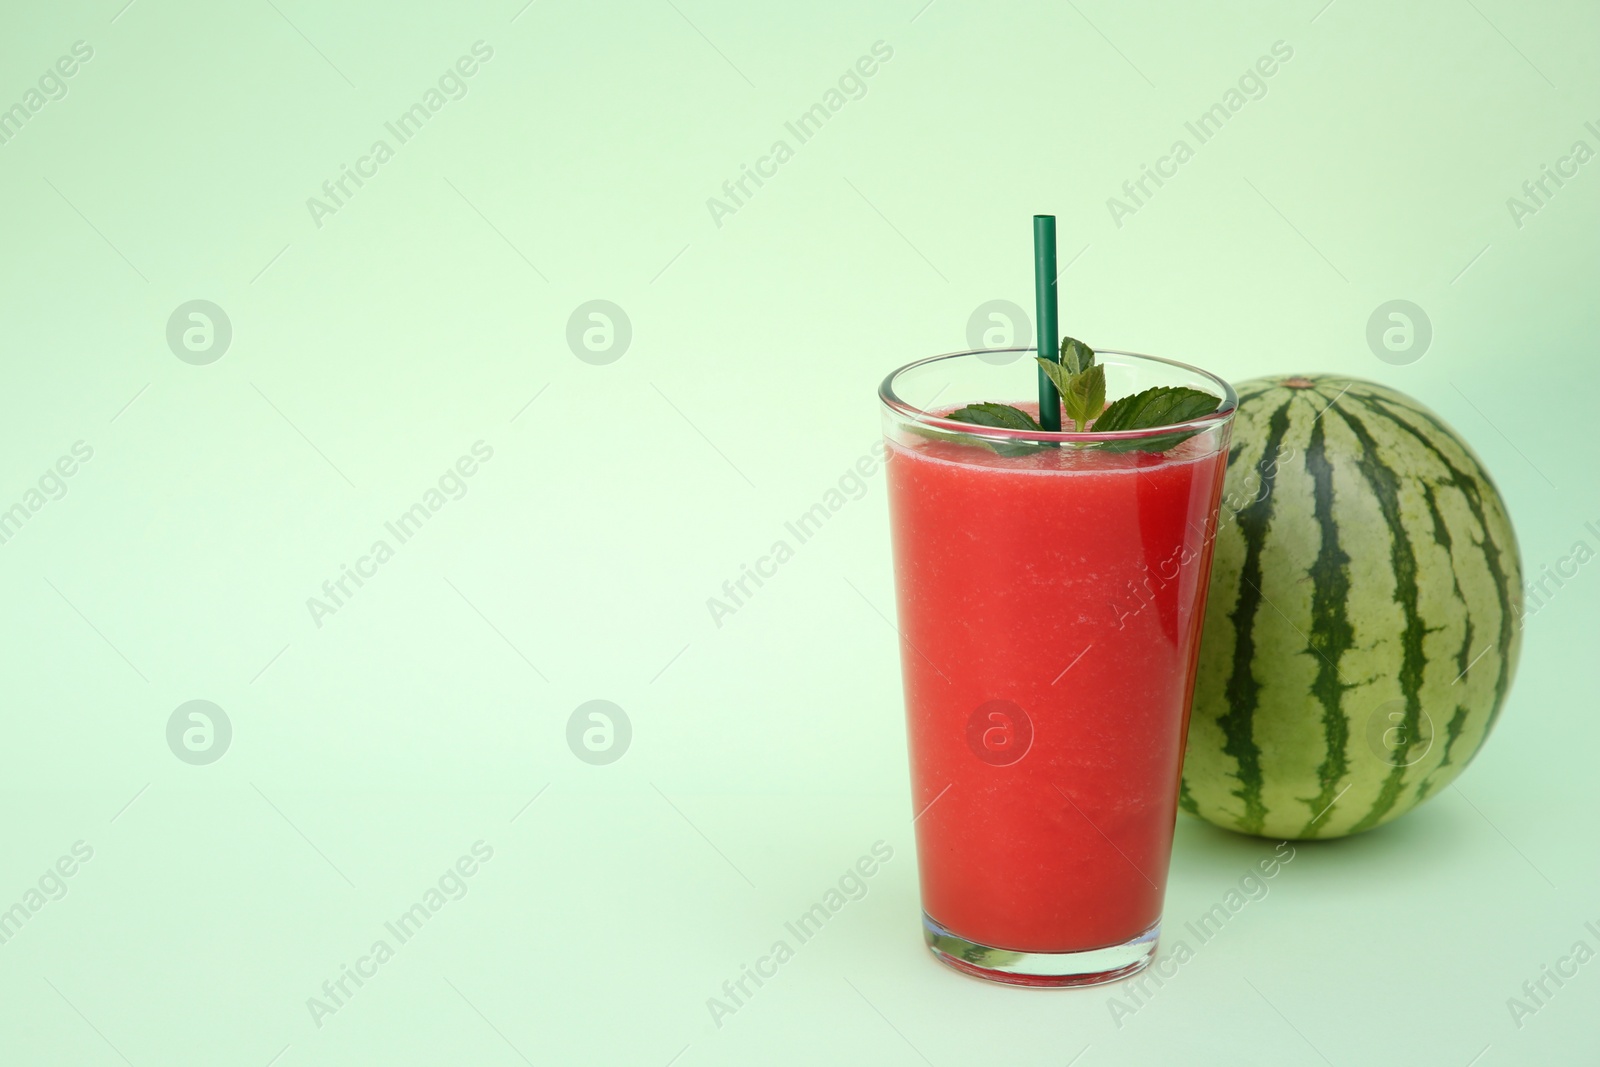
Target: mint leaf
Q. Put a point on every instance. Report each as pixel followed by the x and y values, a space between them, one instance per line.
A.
pixel 1002 416
pixel 1076 356
pixel 1083 393
pixel 1085 396
pixel 1159 406
pixel 1082 385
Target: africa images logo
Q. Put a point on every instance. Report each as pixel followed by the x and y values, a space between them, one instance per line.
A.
pixel 451 85
pixel 736 192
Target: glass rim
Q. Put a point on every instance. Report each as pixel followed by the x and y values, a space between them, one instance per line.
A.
pixel 890 400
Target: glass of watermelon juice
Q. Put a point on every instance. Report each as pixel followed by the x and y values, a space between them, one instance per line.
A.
pixel 1051 589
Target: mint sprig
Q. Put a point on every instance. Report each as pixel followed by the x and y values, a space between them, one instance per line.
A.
pixel 1082 385
pixel 1080 382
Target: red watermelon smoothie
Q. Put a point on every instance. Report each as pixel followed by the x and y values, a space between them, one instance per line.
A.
pixel 1050 603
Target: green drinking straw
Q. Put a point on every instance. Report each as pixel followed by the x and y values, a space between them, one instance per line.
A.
pixel 1044 303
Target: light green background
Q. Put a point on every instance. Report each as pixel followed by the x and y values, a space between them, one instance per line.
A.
pixel 767 753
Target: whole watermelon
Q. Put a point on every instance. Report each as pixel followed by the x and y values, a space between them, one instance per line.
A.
pixel 1362 627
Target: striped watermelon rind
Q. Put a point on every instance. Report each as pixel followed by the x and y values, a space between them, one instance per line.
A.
pixel 1362 627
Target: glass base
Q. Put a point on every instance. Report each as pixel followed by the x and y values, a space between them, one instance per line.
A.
pixel 1089 967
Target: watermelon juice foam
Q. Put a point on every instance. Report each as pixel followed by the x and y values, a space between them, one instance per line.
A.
pixel 1050 594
